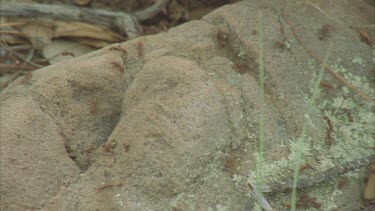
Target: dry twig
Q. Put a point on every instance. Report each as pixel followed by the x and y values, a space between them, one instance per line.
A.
pixel 322 11
pixel 319 60
pixel 257 195
pixel 127 23
pixel 19 55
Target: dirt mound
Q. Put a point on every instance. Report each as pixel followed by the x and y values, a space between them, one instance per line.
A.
pixel 170 121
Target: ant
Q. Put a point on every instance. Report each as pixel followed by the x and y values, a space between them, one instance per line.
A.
pixel 140 48
pixel 329 130
pixel 126 147
pixel 305 166
pixel 280 44
pixel 88 150
pixel 93 106
pixel 118 48
pixel 326 86
pixel 324 32
pixel 221 37
pixel 107 148
pixel 68 53
pixel 342 182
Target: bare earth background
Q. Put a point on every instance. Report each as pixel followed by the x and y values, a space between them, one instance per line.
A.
pixel 172 124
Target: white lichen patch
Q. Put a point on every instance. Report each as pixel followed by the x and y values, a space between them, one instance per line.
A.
pixel 237 179
pixel 352 137
pixel 305 149
pixel 241 53
pixel 354 122
pixel 359 61
pixel 339 68
pixel 287 44
pixel 320 195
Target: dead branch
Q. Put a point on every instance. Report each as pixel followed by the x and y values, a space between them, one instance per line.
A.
pixel 329 174
pixel 122 21
pixel 9 68
pixel 126 23
pixel 151 11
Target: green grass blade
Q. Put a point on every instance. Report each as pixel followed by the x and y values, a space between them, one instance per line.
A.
pixel 303 133
pixel 260 157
